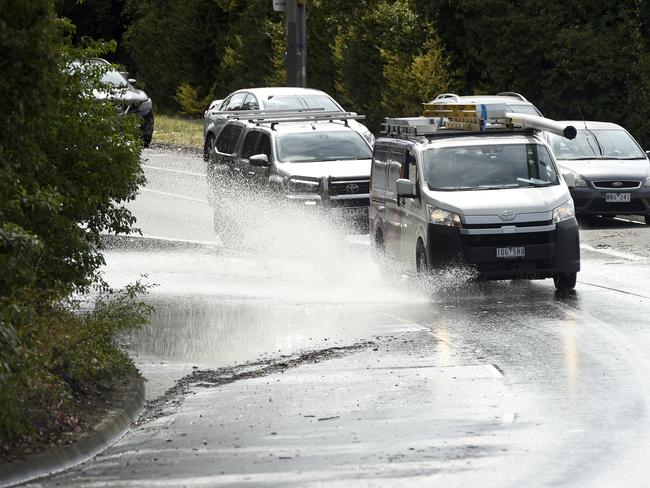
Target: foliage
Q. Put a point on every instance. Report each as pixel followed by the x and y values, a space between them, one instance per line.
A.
pixel 567 57
pixel 66 353
pixel 187 97
pixel 70 162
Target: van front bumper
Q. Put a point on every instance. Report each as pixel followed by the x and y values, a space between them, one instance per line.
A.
pixel 545 253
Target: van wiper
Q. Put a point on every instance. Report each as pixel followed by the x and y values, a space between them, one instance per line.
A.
pixel 534 181
pixel 498 187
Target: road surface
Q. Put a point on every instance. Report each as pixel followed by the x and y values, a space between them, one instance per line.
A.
pixel 291 361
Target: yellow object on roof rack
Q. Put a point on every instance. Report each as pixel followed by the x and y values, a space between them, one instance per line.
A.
pixel 439 118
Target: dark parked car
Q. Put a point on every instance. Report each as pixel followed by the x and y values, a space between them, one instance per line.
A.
pixel 127 98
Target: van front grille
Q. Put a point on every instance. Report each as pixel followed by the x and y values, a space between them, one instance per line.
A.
pixel 502 240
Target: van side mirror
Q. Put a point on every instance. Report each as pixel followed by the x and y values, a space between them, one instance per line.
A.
pixel 259 160
pixel 570 179
pixel 405 188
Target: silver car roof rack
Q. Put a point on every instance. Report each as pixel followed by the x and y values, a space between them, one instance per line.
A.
pixel 512 94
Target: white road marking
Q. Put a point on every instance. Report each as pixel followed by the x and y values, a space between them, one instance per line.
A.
pixel 178 171
pixel 629 221
pixel 611 252
pixel 175 195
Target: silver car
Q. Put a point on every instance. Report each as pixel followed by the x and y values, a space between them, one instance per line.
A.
pixel 269 99
pixel 515 102
pixel 612 172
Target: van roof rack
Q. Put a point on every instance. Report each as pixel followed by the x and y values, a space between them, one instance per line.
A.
pixel 445 119
pixel 275 117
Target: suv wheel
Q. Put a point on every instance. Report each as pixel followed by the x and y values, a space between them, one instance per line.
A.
pixel 208 147
pixel 565 281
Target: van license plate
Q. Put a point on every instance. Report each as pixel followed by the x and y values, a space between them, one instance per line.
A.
pixel 511 252
pixel 617 197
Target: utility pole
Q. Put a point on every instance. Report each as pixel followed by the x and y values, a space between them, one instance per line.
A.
pixel 296 15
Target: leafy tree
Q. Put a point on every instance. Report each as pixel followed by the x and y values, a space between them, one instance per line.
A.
pixel 69 164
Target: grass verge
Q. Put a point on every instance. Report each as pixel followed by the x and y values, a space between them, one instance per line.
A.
pixel 178 131
pixel 66 365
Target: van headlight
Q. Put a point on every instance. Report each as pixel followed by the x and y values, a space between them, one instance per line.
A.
pixel 439 216
pixel 368 136
pixel 647 181
pixel 564 212
pixel 301 185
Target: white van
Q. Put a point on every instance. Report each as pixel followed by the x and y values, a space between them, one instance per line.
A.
pixel 474 186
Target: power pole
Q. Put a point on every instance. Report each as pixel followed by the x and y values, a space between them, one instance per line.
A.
pixel 296 15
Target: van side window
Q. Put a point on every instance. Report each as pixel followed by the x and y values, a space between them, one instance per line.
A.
pixel 228 138
pixel 395 167
pixel 379 166
pixel 411 167
pixel 250 143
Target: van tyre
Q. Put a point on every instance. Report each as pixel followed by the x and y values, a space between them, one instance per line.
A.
pixel 421 261
pixel 565 281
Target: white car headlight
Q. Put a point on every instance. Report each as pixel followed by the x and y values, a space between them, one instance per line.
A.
pixel 647 181
pixel 443 217
pixel 301 185
pixel 580 182
pixel 367 135
pixel 564 212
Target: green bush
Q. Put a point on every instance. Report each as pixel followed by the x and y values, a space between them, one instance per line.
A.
pixel 69 164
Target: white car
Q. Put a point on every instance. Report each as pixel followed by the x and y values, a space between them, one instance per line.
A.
pixel 269 99
pixel 612 172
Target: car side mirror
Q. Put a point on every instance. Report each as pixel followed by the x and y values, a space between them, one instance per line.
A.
pixel 405 188
pixel 570 179
pixel 648 153
pixel 132 81
pixel 259 160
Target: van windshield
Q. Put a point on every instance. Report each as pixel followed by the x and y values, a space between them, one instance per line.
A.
pixel 303 147
pixel 486 167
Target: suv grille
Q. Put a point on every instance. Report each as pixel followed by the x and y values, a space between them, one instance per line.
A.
pixel 349 187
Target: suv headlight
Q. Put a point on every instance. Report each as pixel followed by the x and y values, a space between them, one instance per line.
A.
pixel 301 185
pixel 145 106
pixel 443 217
pixel 564 212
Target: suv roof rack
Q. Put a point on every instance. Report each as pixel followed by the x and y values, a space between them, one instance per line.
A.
pixel 274 117
pixel 512 94
pixel 455 118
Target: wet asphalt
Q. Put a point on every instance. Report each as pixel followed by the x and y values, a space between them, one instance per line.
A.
pixel 295 362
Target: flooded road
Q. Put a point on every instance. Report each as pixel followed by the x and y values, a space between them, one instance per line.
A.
pixel 295 362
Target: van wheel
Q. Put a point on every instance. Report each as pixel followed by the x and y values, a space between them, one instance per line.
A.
pixel 421 263
pixel 565 281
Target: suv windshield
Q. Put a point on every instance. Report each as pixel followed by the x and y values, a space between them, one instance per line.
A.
pixel 303 147
pixel 596 144
pixel 114 79
pixel 490 166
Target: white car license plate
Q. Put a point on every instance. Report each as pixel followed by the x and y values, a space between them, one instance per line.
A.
pixel 511 252
pixel 617 197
